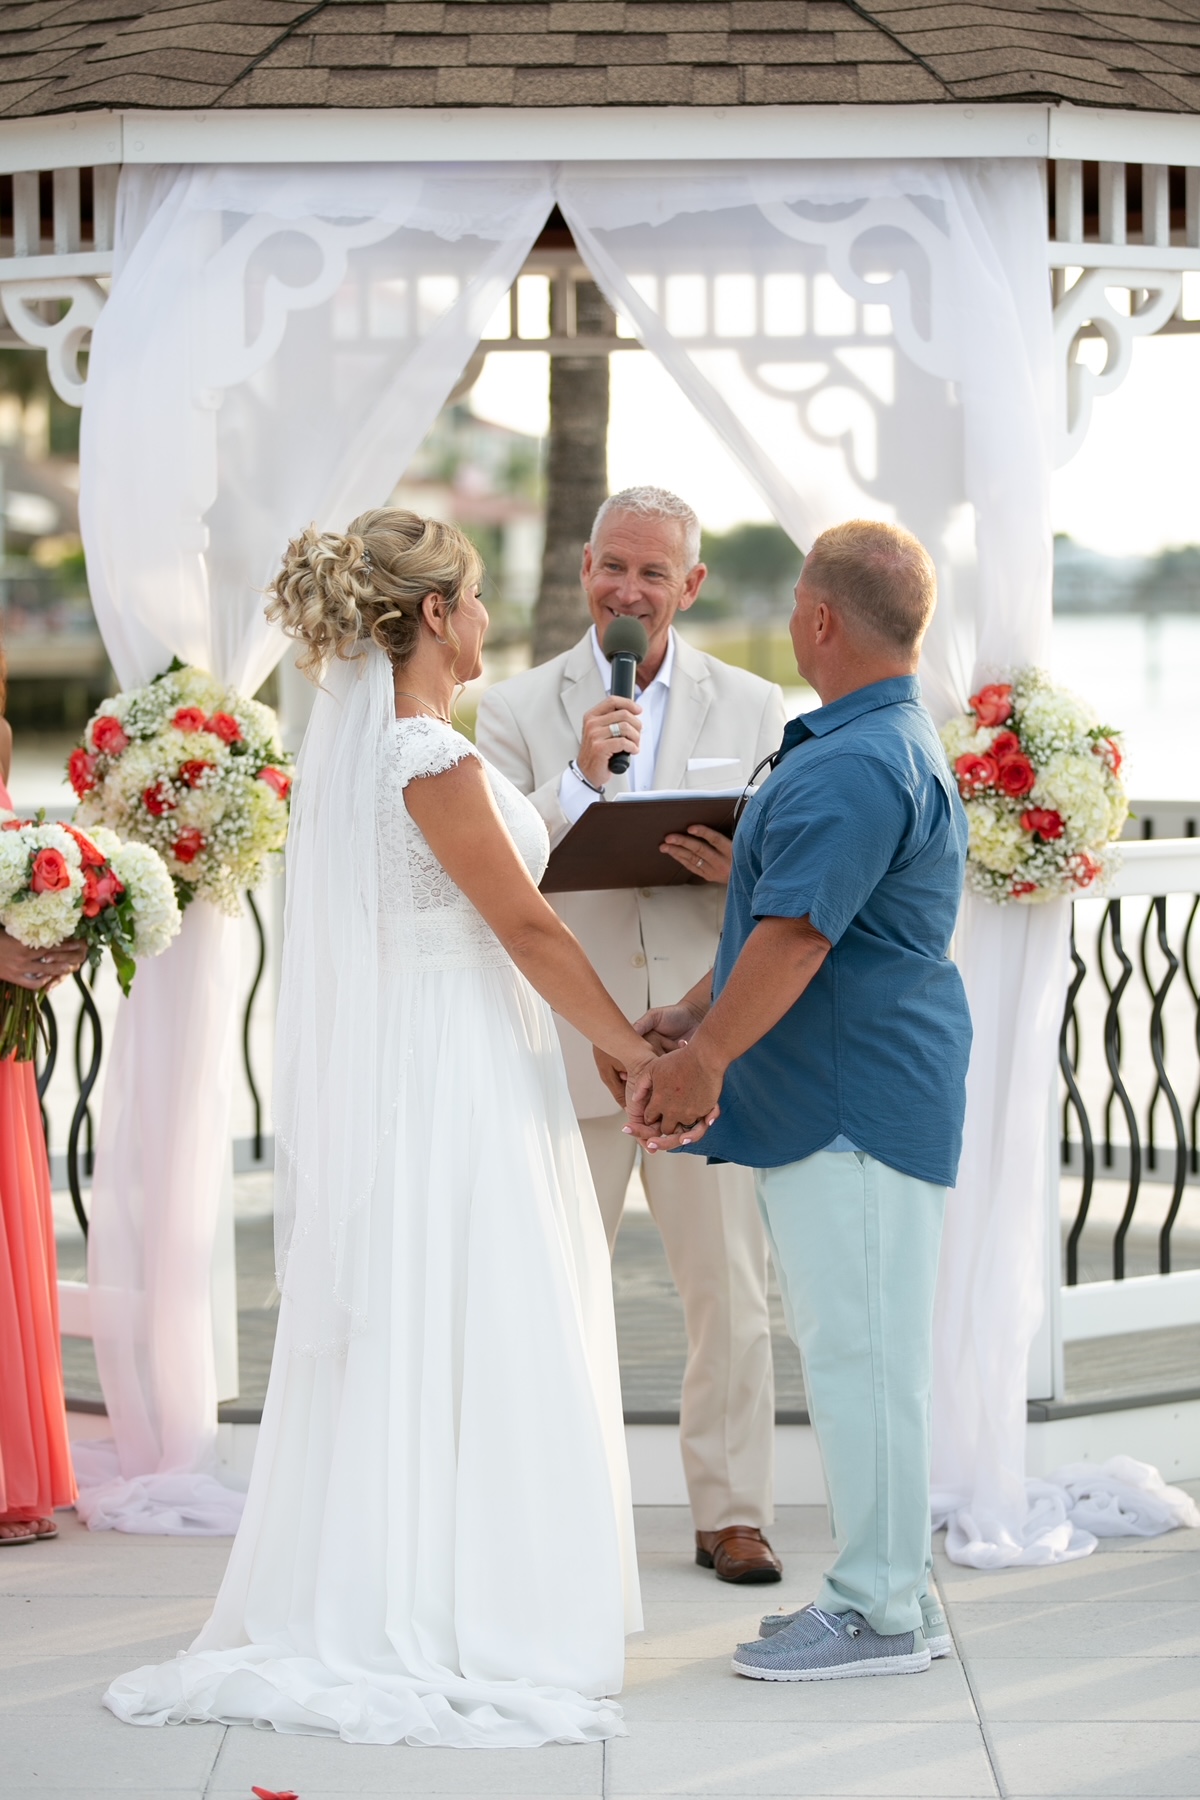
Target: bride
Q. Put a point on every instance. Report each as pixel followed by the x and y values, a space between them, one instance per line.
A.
pixel 437 1545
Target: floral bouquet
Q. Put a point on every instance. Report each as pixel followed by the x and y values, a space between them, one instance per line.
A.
pixel 58 883
pixel 1040 778
pixel 195 771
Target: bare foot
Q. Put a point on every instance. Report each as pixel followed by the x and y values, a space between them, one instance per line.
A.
pixel 17 1531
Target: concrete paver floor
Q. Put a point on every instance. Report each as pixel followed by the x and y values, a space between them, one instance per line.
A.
pixel 1082 1680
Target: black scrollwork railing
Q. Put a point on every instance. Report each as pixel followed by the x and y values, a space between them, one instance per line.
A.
pixel 88 1049
pixel 1157 913
pixel 87 1081
pixel 1068 1062
pixel 1194 989
pixel 49 1057
pixel 1142 1090
pixel 247 1020
pixel 1117 1091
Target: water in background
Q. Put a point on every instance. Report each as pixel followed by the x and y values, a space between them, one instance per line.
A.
pixel 1143 676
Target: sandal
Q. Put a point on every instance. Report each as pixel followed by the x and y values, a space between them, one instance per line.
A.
pixel 51 1530
pixel 28 1536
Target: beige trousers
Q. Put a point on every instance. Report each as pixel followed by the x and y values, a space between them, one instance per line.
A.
pixel 713 1236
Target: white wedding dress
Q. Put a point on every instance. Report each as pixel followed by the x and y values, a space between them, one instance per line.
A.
pixel 437 1546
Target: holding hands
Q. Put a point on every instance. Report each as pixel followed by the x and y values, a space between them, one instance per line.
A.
pixel 672 1099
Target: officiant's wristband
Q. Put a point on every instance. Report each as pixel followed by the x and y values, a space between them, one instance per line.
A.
pixel 574 769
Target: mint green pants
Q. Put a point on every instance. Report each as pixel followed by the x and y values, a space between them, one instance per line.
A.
pixel 855 1246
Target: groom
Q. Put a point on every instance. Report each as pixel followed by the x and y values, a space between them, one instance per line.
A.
pixel 834 1032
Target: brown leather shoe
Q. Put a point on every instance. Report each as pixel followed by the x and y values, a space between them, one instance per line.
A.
pixel 738 1553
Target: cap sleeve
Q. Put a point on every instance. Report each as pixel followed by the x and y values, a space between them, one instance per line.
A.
pixel 425 747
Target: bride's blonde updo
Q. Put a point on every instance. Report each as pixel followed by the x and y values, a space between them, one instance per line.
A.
pixel 337 588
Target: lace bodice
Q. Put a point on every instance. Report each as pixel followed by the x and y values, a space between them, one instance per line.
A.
pixel 425 920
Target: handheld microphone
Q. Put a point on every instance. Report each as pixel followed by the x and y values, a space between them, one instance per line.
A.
pixel 625 645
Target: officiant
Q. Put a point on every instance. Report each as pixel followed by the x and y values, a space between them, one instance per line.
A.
pixel 696 722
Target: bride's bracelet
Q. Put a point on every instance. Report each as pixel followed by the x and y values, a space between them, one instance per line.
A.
pixel 579 775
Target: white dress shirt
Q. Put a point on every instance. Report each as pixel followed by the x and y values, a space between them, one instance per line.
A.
pixel 576 796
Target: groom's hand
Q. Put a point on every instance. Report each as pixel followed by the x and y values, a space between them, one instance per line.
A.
pixel 675 1100
pixel 668 1027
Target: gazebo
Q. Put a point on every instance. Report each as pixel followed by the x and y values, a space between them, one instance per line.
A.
pixel 871 246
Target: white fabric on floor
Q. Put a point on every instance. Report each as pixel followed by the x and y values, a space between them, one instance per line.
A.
pixel 438 1539
pixel 874 340
pixel 276 344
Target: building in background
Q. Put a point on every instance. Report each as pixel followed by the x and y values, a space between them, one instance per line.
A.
pixel 487 479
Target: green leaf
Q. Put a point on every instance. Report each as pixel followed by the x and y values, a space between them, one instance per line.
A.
pixel 125 966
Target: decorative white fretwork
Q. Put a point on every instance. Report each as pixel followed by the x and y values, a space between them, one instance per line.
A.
pixel 1109 288
pixel 1104 286
pixel 1119 305
pixel 62 338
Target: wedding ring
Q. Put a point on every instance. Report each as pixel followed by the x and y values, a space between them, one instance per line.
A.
pixel 614 731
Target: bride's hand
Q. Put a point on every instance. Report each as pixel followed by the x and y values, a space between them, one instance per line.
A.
pixel 617 1075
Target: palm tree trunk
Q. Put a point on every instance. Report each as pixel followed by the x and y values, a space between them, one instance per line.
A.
pixel 576 479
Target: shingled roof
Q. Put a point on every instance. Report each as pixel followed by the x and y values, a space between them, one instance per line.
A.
pixel 73 55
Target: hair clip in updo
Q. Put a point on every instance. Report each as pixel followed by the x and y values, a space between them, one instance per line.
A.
pixel 366 560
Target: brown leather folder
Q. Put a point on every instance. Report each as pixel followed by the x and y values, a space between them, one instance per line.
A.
pixel 615 844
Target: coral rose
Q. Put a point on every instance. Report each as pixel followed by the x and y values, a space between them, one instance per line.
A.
pixel 1042 819
pixel 992 705
pixel 81 772
pixel 1084 868
pixel 157 799
pixel 1110 750
pixel 50 872
pixel 187 846
pixel 89 856
pixel 975 772
pixel 1017 776
pixel 1005 743
pixel 1022 887
pixel 192 773
pixel 226 727
pixel 100 891
pixel 108 737
pixel 278 780
pixel 190 718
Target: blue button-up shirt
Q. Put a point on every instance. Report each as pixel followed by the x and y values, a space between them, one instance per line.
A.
pixel 858 828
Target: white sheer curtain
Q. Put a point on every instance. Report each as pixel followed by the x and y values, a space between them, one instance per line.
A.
pixel 276 345
pixel 874 339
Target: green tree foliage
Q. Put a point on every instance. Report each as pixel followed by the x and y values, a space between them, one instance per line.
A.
pixel 23 373
pixel 752 570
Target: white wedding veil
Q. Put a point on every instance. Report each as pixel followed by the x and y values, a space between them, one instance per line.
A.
pixel 328 1108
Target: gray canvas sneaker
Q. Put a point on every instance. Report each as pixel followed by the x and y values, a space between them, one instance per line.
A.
pixel 821 1646
pixel 933 1624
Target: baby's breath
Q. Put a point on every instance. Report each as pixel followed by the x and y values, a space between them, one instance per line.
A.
pixel 195 791
pixel 1054 836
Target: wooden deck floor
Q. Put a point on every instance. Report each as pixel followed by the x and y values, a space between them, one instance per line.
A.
pixel 650 1322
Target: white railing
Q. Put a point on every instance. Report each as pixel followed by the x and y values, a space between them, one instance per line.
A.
pixel 1133 1017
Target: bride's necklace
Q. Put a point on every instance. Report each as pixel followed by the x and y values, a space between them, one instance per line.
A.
pixel 403 694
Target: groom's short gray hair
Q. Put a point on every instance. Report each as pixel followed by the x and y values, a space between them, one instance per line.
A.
pixel 655 503
pixel 879 575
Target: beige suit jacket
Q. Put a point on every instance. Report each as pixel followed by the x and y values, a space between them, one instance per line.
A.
pixel 648 945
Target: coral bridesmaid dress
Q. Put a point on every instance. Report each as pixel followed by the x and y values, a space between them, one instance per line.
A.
pixel 35 1457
